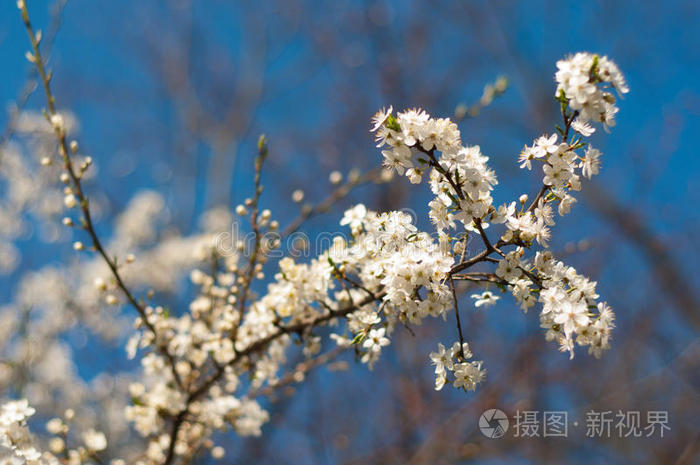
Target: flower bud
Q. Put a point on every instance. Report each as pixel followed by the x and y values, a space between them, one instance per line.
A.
pixel 70 201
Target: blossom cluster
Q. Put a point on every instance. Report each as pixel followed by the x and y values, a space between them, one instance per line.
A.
pixel 570 312
pixel 51 301
pixel 412 138
pixel 584 80
pixel 389 273
pixel 466 374
pixel 394 260
pixel 462 184
pixel 15 438
pixel 204 367
pixel 18 444
pixel 569 307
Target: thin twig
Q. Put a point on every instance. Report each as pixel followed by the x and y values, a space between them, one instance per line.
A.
pixel 77 186
pixel 338 194
pixel 253 260
pixel 459 322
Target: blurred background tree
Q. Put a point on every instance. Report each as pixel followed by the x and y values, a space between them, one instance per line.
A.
pixel 171 96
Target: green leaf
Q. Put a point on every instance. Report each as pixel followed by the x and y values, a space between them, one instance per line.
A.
pixel 593 72
pixel 561 97
pixel 262 145
pixel 392 123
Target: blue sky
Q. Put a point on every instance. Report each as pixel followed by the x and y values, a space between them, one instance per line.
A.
pixel 329 65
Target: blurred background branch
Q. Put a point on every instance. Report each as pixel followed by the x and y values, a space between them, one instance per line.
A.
pixel 171 96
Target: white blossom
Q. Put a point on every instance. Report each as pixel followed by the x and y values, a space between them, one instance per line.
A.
pixel 485 299
pixel 204 365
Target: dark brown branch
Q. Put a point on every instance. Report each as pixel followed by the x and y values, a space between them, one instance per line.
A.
pixel 459 322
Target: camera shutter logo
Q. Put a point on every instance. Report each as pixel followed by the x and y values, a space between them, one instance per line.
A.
pixel 493 423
